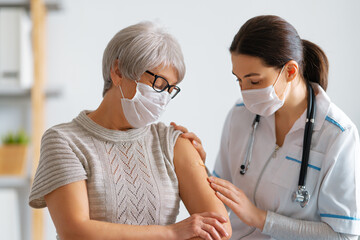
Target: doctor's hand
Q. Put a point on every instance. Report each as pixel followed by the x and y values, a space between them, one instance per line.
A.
pixel 236 199
pixel 196 142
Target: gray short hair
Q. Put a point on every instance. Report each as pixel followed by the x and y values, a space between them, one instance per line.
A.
pixel 141 47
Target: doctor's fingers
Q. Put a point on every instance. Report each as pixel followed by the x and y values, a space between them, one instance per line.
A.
pixel 179 127
pixel 191 136
pixel 186 134
pixel 230 203
pixel 196 142
pixel 245 210
pixel 223 183
pixel 228 193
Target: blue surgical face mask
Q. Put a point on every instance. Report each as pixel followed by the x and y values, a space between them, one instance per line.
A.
pixel 264 101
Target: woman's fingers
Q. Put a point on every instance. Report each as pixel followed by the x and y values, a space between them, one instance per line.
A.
pixel 215 215
pixel 207 225
pixel 211 225
pixel 211 230
pixel 220 229
pixel 205 235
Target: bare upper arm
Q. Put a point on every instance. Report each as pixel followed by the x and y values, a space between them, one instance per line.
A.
pixel 68 206
pixel 195 190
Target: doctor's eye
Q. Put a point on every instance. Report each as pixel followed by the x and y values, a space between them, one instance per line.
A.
pixel 254 83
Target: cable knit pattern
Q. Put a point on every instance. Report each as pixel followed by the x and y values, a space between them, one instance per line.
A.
pixel 130 175
pixel 138 199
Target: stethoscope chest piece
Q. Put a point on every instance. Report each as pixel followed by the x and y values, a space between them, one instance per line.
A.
pixel 301 196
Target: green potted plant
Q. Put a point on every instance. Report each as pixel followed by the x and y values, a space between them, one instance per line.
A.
pixel 13 153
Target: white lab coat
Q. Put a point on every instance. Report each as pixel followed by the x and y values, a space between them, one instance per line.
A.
pixel 333 176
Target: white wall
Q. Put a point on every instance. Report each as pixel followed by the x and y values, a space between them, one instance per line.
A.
pixel 78 35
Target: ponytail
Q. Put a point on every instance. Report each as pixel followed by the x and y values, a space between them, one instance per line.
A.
pixel 315 64
pixel 277 42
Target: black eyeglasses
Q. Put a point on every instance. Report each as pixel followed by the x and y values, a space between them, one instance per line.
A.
pixel 160 84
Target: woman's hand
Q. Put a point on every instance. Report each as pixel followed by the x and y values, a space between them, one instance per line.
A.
pixel 236 199
pixel 196 142
pixel 207 226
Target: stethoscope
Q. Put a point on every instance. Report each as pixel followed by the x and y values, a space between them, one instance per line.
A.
pixel 301 196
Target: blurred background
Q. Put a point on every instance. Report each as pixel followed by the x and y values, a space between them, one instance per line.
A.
pixel 77 32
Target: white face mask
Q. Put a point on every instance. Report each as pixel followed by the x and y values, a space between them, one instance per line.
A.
pixel 264 101
pixel 145 107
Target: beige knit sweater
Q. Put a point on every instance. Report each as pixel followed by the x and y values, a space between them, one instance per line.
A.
pixel 130 174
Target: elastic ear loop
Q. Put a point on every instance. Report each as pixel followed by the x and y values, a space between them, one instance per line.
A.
pixel 286 89
pixel 124 97
pixel 279 75
pixel 122 94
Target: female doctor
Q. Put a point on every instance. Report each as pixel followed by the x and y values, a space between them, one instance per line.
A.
pixel 285 123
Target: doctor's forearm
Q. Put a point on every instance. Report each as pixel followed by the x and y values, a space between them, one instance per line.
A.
pixel 282 227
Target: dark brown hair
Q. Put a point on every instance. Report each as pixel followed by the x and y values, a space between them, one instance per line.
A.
pixel 276 42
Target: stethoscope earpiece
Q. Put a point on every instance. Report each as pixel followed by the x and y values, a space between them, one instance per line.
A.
pixel 242 169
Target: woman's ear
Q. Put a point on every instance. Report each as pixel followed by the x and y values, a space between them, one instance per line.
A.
pixel 292 70
pixel 116 76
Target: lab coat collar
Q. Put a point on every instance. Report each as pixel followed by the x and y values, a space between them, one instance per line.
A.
pixel 322 109
pixel 323 105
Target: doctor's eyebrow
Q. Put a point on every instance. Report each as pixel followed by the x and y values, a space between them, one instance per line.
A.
pixel 247 75
pixel 235 75
pixel 251 75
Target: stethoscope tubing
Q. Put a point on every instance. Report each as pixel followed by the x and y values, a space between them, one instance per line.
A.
pixel 301 195
pixel 309 126
pixel 248 155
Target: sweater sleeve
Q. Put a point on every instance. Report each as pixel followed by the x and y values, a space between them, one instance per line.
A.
pixel 168 136
pixel 282 227
pixel 57 167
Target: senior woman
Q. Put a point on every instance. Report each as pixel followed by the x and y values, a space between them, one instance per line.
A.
pixel 113 173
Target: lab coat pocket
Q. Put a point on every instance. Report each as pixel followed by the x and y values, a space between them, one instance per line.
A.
pixel 288 173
